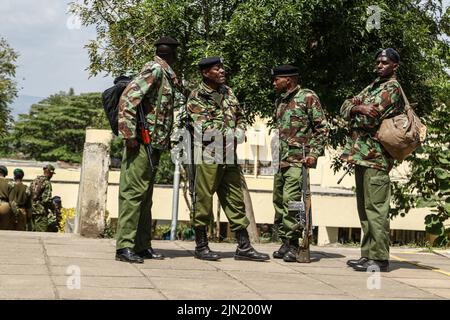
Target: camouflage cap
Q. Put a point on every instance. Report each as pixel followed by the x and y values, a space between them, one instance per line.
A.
pixel 389 53
pixel 169 41
pixel 209 62
pixel 18 172
pixel 286 70
pixel 4 170
pixel 50 168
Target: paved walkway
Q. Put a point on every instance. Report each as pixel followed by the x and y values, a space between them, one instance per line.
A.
pixel 45 266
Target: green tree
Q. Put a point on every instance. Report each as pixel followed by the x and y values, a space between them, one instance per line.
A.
pixel 327 40
pixel 8 87
pixel 55 127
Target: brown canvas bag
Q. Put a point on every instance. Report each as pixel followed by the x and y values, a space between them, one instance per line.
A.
pixel 403 133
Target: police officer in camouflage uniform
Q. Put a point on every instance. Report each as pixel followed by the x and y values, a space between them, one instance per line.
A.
pixel 41 197
pixel 20 200
pixel 57 206
pixel 300 121
pixel 153 90
pixel 381 99
pixel 216 116
pixel 6 216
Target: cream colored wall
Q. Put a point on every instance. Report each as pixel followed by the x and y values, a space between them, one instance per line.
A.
pixel 331 211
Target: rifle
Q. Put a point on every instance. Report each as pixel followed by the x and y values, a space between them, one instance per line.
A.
pixel 345 173
pixel 189 147
pixel 144 133
pixel 303 255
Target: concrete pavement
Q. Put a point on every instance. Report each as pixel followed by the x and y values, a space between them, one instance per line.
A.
pixel 66 266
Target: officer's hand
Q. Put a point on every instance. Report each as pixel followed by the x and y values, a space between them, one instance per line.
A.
pixel 370 110
pixel 356 101
pixel 132 145
pixel 310 161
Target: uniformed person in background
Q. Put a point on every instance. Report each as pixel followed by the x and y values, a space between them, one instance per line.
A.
pixel 300 121
pixel 215 113
pixel 154 90
pixel 56 214
pixel 41 199
pixel 381 99
pixel 20 200
pixel 6 216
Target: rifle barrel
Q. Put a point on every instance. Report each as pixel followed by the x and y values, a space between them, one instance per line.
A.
pixel 345 173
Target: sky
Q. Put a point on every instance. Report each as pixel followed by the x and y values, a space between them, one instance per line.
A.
pixel 51 47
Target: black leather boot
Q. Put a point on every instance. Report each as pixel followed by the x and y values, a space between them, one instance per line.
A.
pixel 202 250
pixel 128 255
pixel 352 263
pixel 279 254
pixel 291 254
pixel 245 251
pixel 373 265
pixel 150 254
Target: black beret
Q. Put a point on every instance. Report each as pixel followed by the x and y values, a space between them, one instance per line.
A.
pixel 18 172
pixel 167 41
pixel 209 62
pixel 285 70
pixel 390 53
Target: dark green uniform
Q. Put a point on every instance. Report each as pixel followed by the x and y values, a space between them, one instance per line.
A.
pixel 300 121
pixel 136 180
pixel 372 164
pixel 41 196
pixel 218 113
pixel 20 200
pixel 6 216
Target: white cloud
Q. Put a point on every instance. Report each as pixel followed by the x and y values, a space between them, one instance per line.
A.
pixel 31 13
pixel 52 56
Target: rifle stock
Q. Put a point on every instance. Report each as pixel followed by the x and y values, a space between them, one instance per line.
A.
pixel 303 254
pixel 190 164
pixel 144 132
pixel 345 173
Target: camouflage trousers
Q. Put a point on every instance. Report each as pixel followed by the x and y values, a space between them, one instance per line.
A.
pixel 38 217
pixel 39 222
pixel 373 194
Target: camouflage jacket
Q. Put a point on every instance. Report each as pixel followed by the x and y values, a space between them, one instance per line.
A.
pixel 5 189
pixel 145 88
pixel 21 195
pixel 216 113
pixel 300 119
pixel 361 147
pixel 41 195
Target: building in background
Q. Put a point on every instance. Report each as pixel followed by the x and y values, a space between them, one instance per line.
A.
pixel 335 217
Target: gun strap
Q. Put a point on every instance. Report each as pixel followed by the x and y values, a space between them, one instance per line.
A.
pixel 158 104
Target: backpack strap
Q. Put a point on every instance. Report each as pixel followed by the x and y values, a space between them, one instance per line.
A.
pixel 405 100
pixel 158 103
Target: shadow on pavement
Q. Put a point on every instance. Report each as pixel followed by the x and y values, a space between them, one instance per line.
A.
pixel 318 255
pixel 395 265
